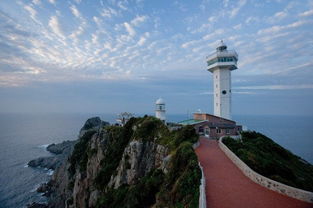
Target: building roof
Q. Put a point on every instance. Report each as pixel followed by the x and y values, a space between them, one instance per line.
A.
pixel 211 115
pixel 191 122
pixel 221 46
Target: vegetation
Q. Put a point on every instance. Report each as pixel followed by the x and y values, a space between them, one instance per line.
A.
pixel 117 139
pixel 149 129
pixel 79 156
pixel 271 160
pixel 181 184
pixel 177 188
pixel 143 194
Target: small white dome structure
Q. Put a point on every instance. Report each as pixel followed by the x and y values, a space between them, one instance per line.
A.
pixel 160 101
pixel 160 109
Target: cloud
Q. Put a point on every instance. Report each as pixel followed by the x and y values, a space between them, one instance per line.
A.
pixel 206 93
pixel 36 2
pixel 95 39
pixel 138 20
pixel 280 15
pixel 270 37
pixel 75 11
pixel 306 13
pixel 278 28
pixel 31 11
pixel 213 34
pixel 122 5
pixel 129 29
pixel 108 12
pixel 55 26
pixel 276 87
pixel 188 44
pixel 52 1
pixel 251 19
pixel 142 41
pixel 237 27
pixel 235 10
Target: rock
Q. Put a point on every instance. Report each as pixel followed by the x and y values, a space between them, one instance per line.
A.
pixel 45 162
pixel 138 159
pixel 59 148
pixel 43 188
pixel 37 205
pixel 52 162
pixel 93 123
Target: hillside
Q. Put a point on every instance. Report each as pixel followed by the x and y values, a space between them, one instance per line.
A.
pixel 142 164
pixel 269 159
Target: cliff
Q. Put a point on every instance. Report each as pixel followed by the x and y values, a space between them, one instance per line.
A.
pixel 142 164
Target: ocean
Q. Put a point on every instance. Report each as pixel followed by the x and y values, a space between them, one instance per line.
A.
pixel 23 137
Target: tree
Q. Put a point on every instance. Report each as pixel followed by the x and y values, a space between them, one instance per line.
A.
pixel 124 117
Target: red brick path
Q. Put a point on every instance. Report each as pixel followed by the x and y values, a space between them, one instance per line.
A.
pixel 227 186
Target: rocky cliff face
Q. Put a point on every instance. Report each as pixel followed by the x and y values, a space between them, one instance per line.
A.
pixel 128 166
pixel 138 159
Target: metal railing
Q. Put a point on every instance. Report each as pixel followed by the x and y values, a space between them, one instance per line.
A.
pixel 223 53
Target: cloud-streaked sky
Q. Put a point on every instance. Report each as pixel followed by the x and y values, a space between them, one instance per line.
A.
pixel 112 56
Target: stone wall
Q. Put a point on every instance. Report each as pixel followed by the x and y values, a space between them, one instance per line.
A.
pixel 195 145
pixel 202 197
pixel 266 182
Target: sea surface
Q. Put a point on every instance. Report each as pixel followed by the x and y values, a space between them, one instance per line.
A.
pixel 23 137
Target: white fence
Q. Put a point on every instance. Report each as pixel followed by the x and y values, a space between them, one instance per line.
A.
pixel 202 197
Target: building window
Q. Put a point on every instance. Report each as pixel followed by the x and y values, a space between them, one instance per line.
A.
pixel 216 104
pixel 216 94
pixel 224 92
pixel 227 131
pixel 218 131
pixel 216 86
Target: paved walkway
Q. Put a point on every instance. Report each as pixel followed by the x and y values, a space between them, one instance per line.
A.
pixel 227 186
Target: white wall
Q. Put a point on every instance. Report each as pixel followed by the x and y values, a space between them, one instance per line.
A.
pixel 222 102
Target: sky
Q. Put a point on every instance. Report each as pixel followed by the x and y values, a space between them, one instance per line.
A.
pixel 90 56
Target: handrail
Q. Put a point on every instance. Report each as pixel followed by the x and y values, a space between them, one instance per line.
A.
pixel 226 52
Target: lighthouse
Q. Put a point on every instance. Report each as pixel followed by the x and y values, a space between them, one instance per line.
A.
pixel 160 109
pixel 221 63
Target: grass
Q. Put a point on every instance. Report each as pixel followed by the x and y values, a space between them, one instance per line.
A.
pixel 269 159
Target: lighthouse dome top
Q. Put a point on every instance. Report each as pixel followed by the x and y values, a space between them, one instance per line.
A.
pixel 221 46
pixel 160 101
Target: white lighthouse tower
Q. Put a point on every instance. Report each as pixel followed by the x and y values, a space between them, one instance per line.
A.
pixel 221 63
pixel 160 109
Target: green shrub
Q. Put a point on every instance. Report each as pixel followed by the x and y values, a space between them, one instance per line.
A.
pixel 181 185
pixel 116 138
pixel 268 158
pixel 79 156
pixel 142 194
pixel 149 128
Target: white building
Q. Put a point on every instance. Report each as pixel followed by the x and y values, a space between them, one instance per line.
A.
pixel 160 109
pixel 221 63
